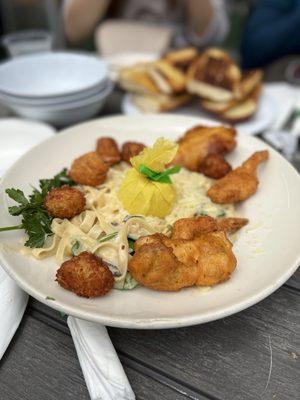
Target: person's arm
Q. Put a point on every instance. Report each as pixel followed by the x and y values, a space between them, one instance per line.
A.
pixel 81 18
pixel 207 21
pixel 273 31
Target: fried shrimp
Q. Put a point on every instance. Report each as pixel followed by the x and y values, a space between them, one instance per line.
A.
pixel 214 166
pixel 108 150
pixel 86 275
pixel 240 183
pixel 201 141
pixel 188 228
pixel 131 149
pixel 162 263
pixel 64 202
pixel 89 169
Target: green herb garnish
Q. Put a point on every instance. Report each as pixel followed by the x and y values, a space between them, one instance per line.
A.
pixel 108 237
pixel 35 220
pixel 131 245
pixel 162 177
pixel 221 214
pixel 50 298
pixel 129 283
pixel 75 248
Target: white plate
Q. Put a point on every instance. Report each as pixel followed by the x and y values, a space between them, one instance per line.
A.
pixel 267 249
pixel 51 74
pixel 258 123
pixel 17 136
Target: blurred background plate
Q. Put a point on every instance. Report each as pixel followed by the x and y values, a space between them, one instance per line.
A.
pixel 262 120
pixel 17 136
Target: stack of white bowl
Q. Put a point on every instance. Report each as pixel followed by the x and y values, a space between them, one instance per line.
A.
pixel 60 88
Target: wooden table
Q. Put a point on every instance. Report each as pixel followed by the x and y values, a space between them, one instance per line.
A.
pixel 249 356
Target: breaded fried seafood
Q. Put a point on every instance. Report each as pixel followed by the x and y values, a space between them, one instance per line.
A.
pixel 162 263
pixel 131 149
pixel 240 183
pixel 64 202
pixel 201 141
pixel 86 275
pixel 215 166
pixel 88 169
pixel 188 228
pixel 108 150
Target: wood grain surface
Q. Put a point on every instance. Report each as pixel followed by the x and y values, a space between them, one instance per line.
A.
pixel 251 355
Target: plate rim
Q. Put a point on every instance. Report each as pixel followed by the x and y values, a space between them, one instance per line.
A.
pixel 153 323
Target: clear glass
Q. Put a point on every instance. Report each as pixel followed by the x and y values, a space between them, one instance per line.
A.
pixel 29 41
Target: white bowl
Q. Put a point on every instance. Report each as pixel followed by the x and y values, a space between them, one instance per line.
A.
pixel 9 99
pixel 65 114
pixel 51 74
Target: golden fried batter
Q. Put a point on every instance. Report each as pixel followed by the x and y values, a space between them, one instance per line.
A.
pixel 214 166
pixel 108 150
pixel 201 141
pixel 155 266
pixel 88 169
pixel 86 275
pixel 162 263
pixel 64 202
pixel 211 253
pixel 240 183
pixel 131 149
pixel 188 228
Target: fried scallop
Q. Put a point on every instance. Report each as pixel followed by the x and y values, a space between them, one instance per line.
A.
pixel 89 169
pixel 240 183
pixel 188 228
pixel 131 149
pixel 108 150
pixel 85 275
pixel 214 166
pixel 64 202
pixel 162 263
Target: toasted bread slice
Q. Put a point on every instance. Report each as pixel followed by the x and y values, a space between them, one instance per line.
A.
pixel 160 103
pixel 250 81
pixel 242 110
pixel 169 79
pixel 214 76
pixel 136 80
pixel 182 58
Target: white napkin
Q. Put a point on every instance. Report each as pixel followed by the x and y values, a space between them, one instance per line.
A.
pixel 101 367
pixel 13 302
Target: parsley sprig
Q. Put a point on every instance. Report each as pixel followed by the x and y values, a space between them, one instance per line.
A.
pixel 35 220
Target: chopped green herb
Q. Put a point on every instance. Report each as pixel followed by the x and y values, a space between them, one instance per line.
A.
pixel 169 228
pixel 131 245
pixel 50 298
pixel 35 220
pixel 128 217
pixel 221 214
pixel 203 213
pixel 128 283
pixel 75 248
pixel 108 237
